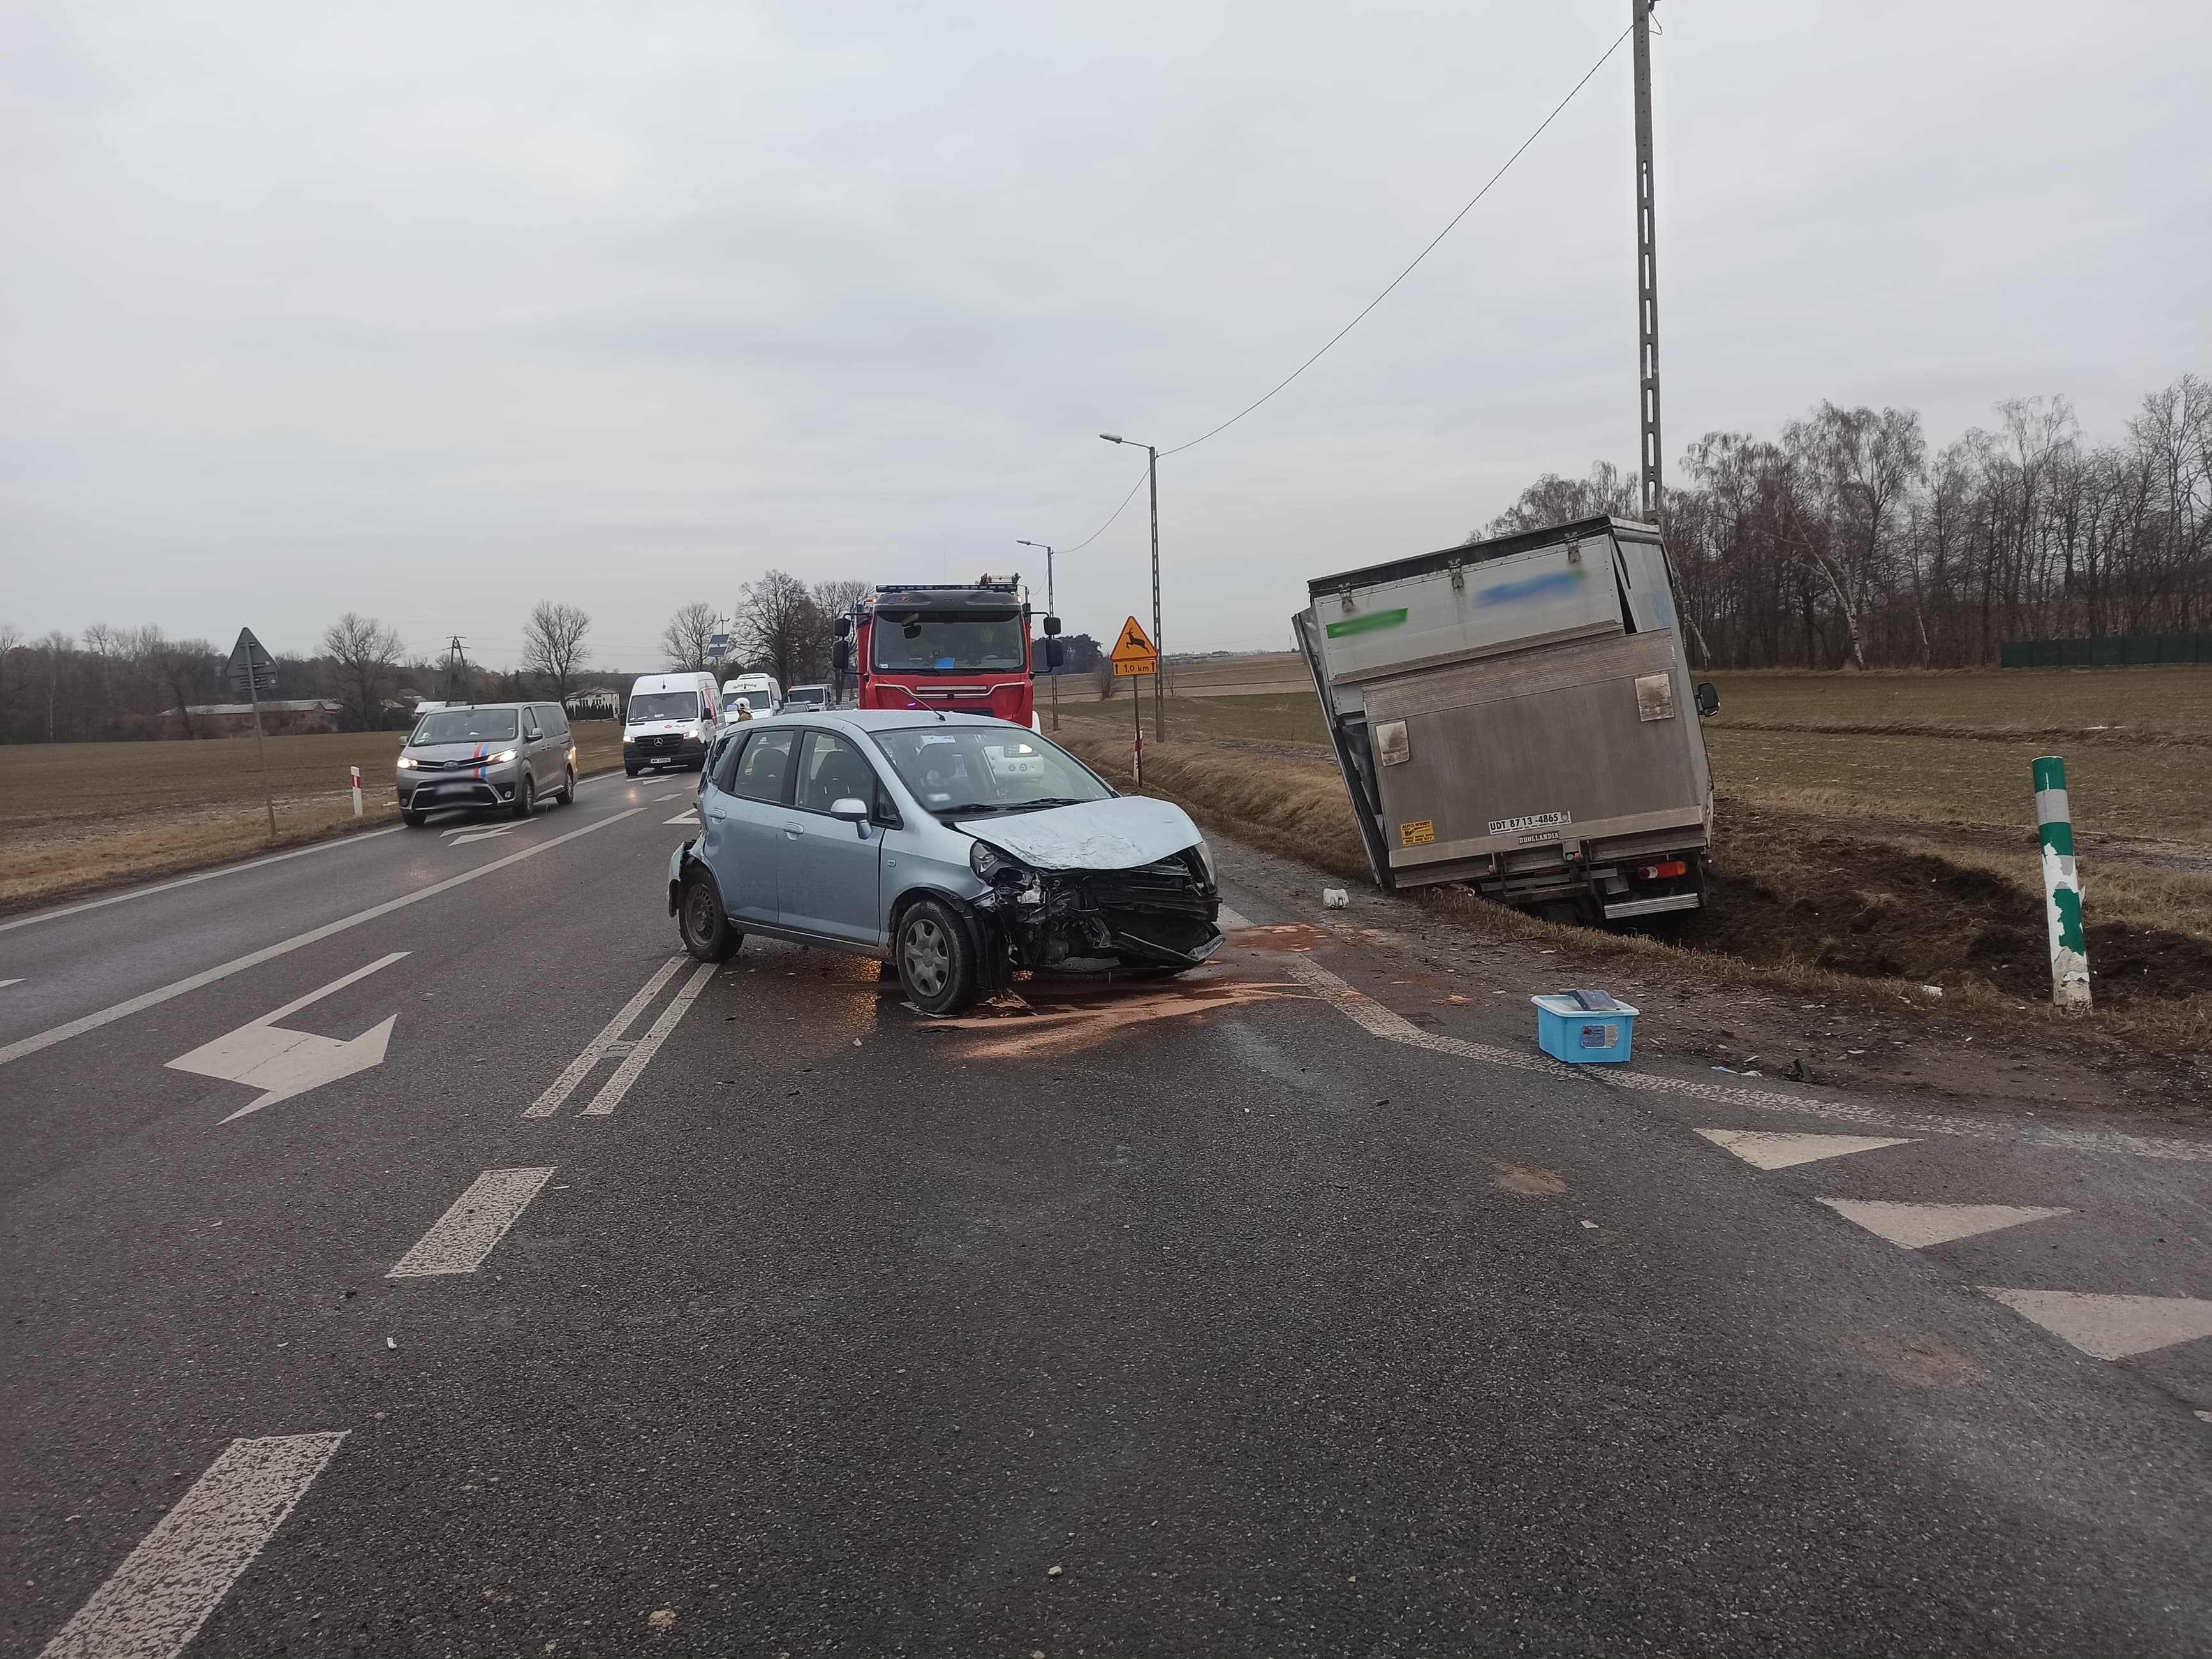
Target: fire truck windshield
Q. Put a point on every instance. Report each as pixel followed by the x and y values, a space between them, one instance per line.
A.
pixel 917 642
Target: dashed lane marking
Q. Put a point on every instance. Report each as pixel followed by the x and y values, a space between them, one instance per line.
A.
pixel 154 1603
pixel 597 1049
pixel 673 795
pixel 2112 1327
pixel 1917 1226
pixel 459 1240
pixel 1378 1021
pixel 46 1039
pixel 684 817
pixel 1767 1149
pixel 5 983
pixel 611 1094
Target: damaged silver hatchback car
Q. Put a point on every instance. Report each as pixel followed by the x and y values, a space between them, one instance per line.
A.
pixel 959 848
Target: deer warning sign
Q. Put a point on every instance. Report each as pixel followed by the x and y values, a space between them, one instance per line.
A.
pixel 1134 654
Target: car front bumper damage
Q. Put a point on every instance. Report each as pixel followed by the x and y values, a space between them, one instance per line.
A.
pixel 1159 915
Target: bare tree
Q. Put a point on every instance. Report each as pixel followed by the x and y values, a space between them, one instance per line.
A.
pixel 553 644
pixel 364 658
pixel 686 639
pixel 1553 499
pixel 783 627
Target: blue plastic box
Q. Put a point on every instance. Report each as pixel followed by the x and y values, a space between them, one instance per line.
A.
pixel 1584 1036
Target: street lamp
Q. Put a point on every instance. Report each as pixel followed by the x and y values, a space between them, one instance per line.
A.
pixel 1153 474
pixel 1050 609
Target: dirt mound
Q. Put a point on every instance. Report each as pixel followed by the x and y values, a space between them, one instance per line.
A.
pixel 1781 892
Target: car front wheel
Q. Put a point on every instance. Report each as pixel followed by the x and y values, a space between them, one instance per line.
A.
pixel 704 924
pixel 936 962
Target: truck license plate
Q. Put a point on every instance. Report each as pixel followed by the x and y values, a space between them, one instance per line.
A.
pixel 1534 820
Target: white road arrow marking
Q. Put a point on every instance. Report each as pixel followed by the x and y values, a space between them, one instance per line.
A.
pixel 286 1063
pixel 1915 1226
pixel 2112 1327
pixel 1771 1149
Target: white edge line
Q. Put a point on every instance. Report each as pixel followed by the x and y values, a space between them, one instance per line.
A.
pixel 154 1604
pixel 1379 1021
pixel 329 846
pixel 46 1039
pixel 579 1068
pixel 611 1095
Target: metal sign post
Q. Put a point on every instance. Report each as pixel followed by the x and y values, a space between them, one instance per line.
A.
pixel 253 672
pixel 1135 655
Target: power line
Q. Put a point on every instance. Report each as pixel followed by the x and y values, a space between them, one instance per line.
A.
pixel 1472 202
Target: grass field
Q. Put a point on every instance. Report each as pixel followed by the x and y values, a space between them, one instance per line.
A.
pixel 75 816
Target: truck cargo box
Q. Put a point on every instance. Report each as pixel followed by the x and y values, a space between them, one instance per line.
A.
pixel 1518 715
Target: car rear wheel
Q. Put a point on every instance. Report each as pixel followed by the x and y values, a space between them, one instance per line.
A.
pixel 704 924
pixel 525 797
pixel 936 963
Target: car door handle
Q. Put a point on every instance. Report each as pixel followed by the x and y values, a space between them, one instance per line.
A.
pixel 794 831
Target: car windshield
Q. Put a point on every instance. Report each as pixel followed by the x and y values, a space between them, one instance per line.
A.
pixel 918 643
pixel 663 706
pixel 464 725
pixel 972 770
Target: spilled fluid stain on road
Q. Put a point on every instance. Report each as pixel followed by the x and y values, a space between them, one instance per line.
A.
pixel 1060 1021
pixel 1529 1184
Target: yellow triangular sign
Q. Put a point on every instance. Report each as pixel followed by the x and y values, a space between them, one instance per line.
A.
pixel 1134 645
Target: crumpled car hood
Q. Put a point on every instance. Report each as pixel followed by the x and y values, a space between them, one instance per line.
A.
pixel 1120 834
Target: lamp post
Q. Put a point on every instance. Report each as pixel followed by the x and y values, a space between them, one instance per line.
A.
pixel 1153 476
pixel 1050 609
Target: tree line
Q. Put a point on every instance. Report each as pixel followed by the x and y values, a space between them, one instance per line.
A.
pixel 121 682
pixel 1845 543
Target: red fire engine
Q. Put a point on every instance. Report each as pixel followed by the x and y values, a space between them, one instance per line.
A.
pixel 957 647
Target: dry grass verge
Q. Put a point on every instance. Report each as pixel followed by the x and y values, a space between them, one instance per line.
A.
pixel 1801 905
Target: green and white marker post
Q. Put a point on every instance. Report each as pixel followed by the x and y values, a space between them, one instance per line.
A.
pixel 2062 887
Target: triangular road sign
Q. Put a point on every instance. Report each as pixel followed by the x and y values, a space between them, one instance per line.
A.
pixel 1134 645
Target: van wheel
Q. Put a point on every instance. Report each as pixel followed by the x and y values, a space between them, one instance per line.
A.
pixel 701 919
pixel 936 963
pixel 413 819
pixel 565 794
pixel 525 797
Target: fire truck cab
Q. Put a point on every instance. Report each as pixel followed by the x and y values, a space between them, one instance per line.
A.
pixel 960 647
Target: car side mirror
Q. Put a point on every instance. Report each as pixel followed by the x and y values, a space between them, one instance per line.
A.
pixel 844 626
pixel 850 808
pixel 1051 625
pixel 1708 700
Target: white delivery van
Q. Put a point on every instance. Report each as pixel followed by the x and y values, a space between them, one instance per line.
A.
pixel 673 721
pixel 761 692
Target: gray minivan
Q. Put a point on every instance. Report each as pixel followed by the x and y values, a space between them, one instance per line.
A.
pixel 486 754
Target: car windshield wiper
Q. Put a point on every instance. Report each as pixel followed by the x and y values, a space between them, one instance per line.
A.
pixel 967 807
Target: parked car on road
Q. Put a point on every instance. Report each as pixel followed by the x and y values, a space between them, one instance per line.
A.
pixel 958 847
pixel 489 754
pixel 672 721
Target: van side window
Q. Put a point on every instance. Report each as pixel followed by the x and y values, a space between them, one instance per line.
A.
pixel 530 724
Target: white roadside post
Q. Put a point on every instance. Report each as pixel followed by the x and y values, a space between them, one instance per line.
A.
pixel 355 770
pixel 2061 888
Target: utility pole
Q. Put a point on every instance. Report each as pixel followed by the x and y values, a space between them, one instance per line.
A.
pixel 1050 609
pixel 1151 476
pixel 457 673
pixel 1647 264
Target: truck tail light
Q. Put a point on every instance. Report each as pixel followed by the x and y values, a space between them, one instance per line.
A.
pixel 1662 871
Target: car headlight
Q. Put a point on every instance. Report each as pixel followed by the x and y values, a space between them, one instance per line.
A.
pixel 501 758
pixel 1206 856
pixel 995 866
pixel 408 765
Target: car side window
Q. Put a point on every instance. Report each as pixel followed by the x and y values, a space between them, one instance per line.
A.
pixel 764 769
pixel 831 769
pixel 724 772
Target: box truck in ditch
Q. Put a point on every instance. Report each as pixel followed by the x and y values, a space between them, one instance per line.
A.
pixel 1517 715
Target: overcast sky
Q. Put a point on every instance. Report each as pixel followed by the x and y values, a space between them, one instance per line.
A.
pixel 431 311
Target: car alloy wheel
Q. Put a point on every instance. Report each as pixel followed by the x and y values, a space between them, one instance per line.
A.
pixel 926 956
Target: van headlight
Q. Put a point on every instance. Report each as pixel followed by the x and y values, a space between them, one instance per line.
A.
pixel 407 764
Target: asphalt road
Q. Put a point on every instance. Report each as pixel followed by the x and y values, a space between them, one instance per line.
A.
pixel 1291 1308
